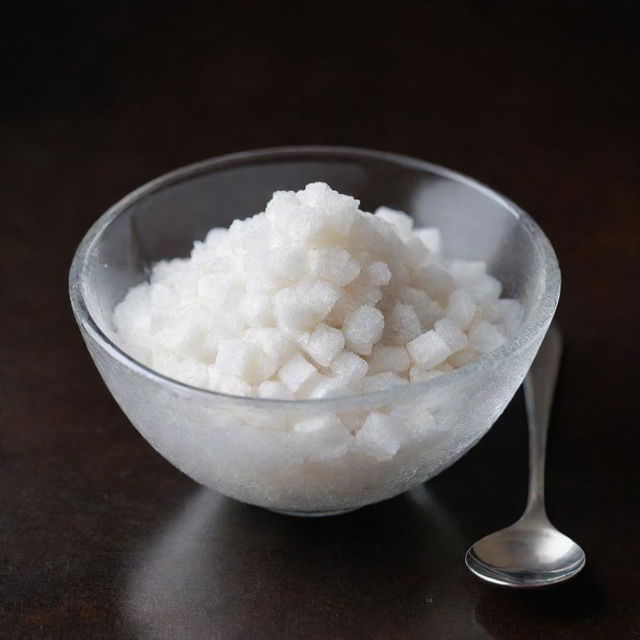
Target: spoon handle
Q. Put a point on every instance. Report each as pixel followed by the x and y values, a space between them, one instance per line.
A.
pixel 539 386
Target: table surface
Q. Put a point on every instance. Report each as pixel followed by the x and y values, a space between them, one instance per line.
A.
pixel 102 538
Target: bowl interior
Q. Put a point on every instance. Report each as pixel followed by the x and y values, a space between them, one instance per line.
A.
pixel 162 219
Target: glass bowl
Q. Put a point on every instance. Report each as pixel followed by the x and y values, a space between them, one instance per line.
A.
pixel 245 447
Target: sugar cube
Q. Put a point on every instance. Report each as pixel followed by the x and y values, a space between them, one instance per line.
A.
pixel 510 314
pixel 437 282
pixel 431 238
pixel 322 437
pixel 461 308
pixel 291 310
pixel 466 273
pixel 295 372
pixel 451 334
pixel 485 337
pixel 429 350
pixel 402 324
pixel 320 298
pixel 381 382
pixel 486 290
pixel 349 366
pixel 274 389
pixel 382 437
pixel 388 358
pixel 363 328
pixel 378 273
pixel 400 220
pixel 427 309
pixel 334 264
pixel 324 344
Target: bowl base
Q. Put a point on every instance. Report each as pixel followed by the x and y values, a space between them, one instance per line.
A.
pixel 313 514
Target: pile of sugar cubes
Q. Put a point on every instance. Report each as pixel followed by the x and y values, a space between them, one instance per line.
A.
pixel 314 298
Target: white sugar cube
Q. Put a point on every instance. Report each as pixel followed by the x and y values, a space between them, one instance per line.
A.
pixel 295 372
pixel 235 357
pixel 420 422
pixel 275 270
pixel 215 236
pixel 486 290
pixel 427 309
pixel 461 308
pixel 381 436
pixel 281 205
pixel 429 350
pixel 382 381
pixel 274 389
pixel 488 312
pixel 243 359
pixel 485 337
pixel 364 292
pixel 431 238
pixel 378 273
pixel 223 329
pixel 400 220
pixel 271 341
pixel 301 338
pixel 167 271
pixel 402 324
pixel 333 388
pixel 315 381
pixel 437 282
pixel 345 305
pixel 184 330
pixel 257 310
pixel 291 310
pixel 509 314
pixel 321 195
pixel 340 210
pixel 451 334
pixel 322 437
pixel 388 358
pixel 214 287
pixel 416 254
pixel 334 264
pixel 364 234
pixel 161 297
pixel 466 273
pixel 324 344
pixel 304 226
pixel 227 384
pixel 320 298
pixel 349 366
pixel 134 311
pixel 363 328
pixel 190 372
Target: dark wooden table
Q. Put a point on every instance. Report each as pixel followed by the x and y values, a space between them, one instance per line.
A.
pixel 99 536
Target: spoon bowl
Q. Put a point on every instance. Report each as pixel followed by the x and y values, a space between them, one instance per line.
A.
pixel 526 554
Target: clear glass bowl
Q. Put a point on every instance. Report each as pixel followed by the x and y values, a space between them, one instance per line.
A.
pixel 244 447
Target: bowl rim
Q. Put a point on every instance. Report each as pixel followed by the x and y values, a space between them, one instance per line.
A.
pixel 539 317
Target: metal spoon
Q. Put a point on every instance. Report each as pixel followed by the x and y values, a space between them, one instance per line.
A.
pixel 531 552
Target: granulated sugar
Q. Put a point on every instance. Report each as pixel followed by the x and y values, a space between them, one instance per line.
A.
pixel 315 298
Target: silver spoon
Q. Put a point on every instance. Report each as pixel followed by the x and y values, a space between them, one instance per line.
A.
pixel 531 552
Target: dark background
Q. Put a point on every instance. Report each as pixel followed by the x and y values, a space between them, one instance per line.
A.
pixel 99 536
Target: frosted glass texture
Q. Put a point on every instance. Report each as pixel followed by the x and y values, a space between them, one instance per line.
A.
pixel 243 447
